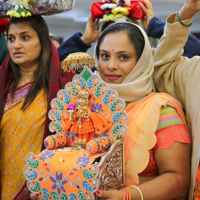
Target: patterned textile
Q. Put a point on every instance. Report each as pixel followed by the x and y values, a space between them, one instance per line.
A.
pixel 22 132
pixel 143 119
pixel 95 125
pixel 65 173
pixel 56 141
pixel 99 145
pixel 170 129
pixel 168 117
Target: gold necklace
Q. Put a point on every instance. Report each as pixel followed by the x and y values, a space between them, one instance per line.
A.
pixel 25 82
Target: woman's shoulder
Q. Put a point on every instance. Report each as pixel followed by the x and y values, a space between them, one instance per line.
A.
pixel 169 116
pixel 154 96
pixel 166 96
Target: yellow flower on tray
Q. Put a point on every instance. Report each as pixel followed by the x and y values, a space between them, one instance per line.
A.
pixel 120 11
pixel 26 1
pixel 12 13
pixel 20 12
pixel 109 17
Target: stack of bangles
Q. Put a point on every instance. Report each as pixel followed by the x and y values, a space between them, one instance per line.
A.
pixel 127 194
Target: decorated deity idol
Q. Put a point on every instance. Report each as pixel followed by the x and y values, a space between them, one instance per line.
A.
pixel 89 122
pixel 83 121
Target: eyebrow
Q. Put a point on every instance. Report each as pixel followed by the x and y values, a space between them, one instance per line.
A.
pixel 102 50
pixel 19 33
pixel 117 52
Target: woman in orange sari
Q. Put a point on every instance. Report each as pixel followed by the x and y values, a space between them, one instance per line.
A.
pixel 157 142
pixel 30 77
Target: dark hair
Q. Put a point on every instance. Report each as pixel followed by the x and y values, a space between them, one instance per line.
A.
pixel 105 24
pixel 133 33
pixel 41 76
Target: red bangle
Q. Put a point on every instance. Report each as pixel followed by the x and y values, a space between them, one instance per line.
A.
pixel 126 194
pixel 129 194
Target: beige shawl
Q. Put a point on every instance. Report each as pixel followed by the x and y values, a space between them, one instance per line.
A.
pixel 139 82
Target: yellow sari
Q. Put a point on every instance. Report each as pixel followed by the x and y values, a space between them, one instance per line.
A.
pixel 21 133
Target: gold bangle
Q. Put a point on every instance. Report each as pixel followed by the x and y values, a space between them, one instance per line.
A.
pixel 175 18
pixel 138 189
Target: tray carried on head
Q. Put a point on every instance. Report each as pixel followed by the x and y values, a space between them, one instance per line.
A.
pixel 20 8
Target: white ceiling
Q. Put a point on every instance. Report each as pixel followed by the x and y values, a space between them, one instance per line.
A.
pixel 81 10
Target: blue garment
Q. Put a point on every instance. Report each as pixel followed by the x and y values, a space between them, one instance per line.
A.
pixel 155 30
pixel 72 45
pixel 3 48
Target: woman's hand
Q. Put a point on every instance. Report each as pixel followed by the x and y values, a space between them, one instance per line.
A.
pixel 189 8
pixel 34 196
pixel 110 195
pixel 148 9
pixel 91 33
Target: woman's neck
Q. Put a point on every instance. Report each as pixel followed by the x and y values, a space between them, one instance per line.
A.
pixel 27 73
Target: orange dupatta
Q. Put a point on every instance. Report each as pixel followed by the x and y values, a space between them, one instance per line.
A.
pixel 143 117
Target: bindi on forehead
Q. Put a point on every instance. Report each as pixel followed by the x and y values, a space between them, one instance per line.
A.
pixel 112 49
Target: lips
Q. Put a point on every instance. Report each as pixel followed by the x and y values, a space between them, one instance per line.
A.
pixel 112 77
pixel 18 54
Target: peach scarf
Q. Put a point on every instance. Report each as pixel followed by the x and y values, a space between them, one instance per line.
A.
pixel 143 117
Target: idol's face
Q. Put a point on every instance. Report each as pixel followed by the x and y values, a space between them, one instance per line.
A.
pixel 81 101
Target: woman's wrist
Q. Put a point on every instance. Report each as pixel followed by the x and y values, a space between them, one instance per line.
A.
pixel 177 18
pixel 84 39
pixel 186 13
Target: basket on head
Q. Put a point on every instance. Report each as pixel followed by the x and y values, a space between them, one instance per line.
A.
pixel 25 8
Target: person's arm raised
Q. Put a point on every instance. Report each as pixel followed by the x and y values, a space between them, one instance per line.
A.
pixel 91 33
pixel 151 23
pixel 189 9
pixel 171 69
pixel 148 9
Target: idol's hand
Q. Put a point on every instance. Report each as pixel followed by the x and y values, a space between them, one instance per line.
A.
pixel 34 196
